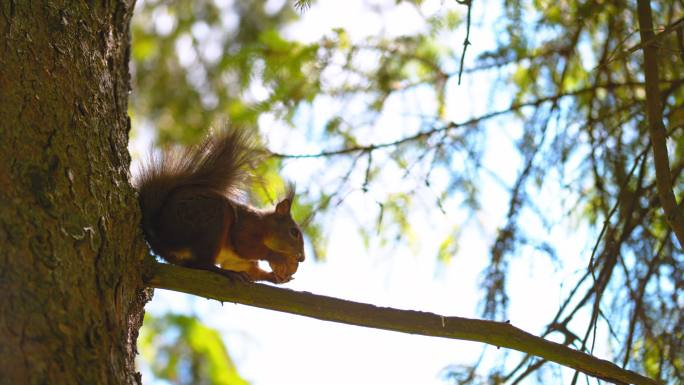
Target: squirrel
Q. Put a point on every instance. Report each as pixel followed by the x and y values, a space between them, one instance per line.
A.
pixel 191 214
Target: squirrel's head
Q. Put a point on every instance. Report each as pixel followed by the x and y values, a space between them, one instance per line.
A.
pixel 282 232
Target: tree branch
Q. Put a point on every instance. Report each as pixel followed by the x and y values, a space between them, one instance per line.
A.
pixel 656 128
pixel 466 42
pixel 677 26
pixel 454 125
pixel 500 334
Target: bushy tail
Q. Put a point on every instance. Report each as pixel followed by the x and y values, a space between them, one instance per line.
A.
pixel 221 163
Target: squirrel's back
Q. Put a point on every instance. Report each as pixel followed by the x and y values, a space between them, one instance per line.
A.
pixel 219 164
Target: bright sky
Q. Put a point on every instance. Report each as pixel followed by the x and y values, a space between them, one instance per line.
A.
pixel 275 348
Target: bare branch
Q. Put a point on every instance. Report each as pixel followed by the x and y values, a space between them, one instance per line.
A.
pixel 656 128
pixel 454 125
pixel 500 334
pixel 676 26
pixel 466 42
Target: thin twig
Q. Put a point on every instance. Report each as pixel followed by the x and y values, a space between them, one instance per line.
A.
pixel 676 26
pixel 466 42
pixel 453 125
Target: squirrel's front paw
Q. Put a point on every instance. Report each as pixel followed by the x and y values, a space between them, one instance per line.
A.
pixel 238 276
pixel 283 271
pixel 279 279
pixel 242 277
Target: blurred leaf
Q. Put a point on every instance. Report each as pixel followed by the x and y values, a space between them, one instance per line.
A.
pixel 182 350
pixel 449 246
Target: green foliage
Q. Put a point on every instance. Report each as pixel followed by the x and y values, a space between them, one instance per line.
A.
pixel 269 186
pixel 560 75
pixel 290 70
pixel 182 350
pixel 449 246
pixel 396 217
pixel 195 66
pixel 653 349
pixel 191 73
pixel 304 211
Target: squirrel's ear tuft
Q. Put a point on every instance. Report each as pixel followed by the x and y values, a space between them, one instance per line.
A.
pixel 283 207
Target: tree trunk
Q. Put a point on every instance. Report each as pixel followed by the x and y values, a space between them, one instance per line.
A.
pixel 71 290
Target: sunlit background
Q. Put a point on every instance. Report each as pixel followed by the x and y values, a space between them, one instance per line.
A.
pixel 436 262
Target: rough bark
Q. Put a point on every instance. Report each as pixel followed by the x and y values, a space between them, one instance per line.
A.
pixel 71 294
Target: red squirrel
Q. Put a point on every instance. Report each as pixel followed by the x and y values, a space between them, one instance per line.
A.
pixel 191 215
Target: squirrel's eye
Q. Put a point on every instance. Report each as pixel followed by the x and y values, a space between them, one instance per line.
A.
pixel 294 232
